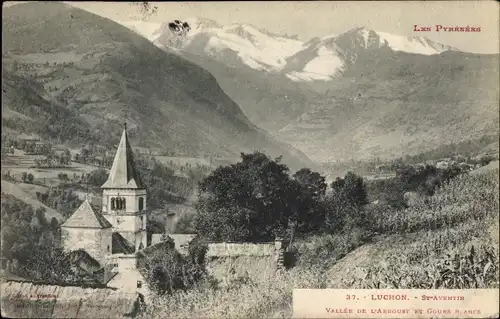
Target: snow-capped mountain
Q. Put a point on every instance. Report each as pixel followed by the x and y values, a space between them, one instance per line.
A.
pixel 243 43
pixel 362 39
pixel 320 59
pixel 256 48
pixel 356 95
pixel 324 58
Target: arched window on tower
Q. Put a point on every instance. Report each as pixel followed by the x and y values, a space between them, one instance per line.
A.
pixel 141 203
pixel 123 203
pixel 113 203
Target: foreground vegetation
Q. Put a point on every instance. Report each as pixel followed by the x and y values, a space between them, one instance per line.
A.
pixel 341 239
pixel 449 240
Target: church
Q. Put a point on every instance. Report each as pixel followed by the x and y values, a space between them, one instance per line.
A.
pixel 113 236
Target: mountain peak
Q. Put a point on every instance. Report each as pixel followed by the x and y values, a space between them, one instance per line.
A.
pixel 372 39
pixel 198 24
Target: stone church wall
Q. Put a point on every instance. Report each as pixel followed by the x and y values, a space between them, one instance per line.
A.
pixel 94 241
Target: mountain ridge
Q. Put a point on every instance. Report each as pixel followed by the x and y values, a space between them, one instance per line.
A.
pixel 373 101
pixel 272 53
pixel 104 72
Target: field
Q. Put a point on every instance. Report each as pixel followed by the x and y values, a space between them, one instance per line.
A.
pixel 182 161
pixel 18 163
pixel 450 241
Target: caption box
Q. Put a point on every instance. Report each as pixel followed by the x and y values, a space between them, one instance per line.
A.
pixel 395 303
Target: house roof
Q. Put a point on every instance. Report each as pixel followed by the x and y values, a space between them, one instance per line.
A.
pixel 81 259
pixel 123 173
pixel 86 217
pixel 120 245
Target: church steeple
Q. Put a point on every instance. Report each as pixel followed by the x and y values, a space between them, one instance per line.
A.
pixel 123 173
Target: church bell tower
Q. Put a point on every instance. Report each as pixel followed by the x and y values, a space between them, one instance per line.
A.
pixel 124 198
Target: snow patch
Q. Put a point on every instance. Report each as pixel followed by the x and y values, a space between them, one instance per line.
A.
pixel 308 77
pixel 366 36
pixel 257 51
pixel 328 37
pixel 326 64
pixel 410 45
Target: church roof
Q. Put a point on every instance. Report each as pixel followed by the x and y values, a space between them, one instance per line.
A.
pixel 86 217
pixel 82 259
pixel 123 173
pixel 120 245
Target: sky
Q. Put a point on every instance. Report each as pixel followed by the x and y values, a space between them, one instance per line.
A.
pixel 309 19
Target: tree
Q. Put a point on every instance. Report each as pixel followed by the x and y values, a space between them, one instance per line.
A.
pixel 345 206
pixel 351 189
pixel 311 187
pixel 185 224
pixel 30 178
pixel 28 244
pixel 98 177
pixel 54 223
pixel 312 182
pixel 252 200
pixel 15 66
pixel 48 263
pixel 40 216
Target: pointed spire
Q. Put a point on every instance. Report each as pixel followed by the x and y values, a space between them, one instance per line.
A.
pixel 123 173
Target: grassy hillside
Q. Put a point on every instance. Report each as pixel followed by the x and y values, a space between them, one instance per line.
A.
pixel 25 110
pixel 103 73
pixel 269 100
pixel 420 247
pixel 19 193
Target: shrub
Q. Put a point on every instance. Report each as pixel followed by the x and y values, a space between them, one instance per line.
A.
pixel 185 224
pixel 167 271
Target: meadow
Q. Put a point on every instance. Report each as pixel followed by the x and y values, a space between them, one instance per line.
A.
pixel 449 241
pixel 19 163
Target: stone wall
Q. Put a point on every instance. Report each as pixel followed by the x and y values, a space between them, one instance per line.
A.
pixel 240 249
pixel 29 300
pixel 241 261
pixel 229 269
pixel 123 262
